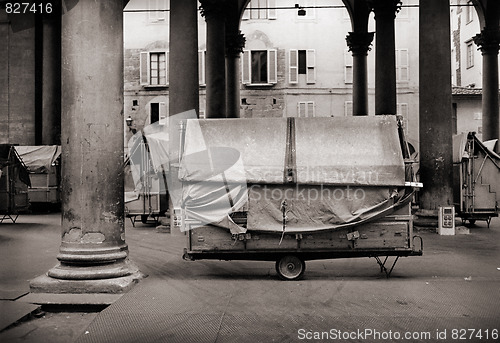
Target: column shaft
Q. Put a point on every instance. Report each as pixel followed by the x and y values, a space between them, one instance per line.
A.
pixel 435 117
pixel 184 83
pixel 213 11
pixel 93 235
pixel 359 44
pixel 234 47
pixel 385 63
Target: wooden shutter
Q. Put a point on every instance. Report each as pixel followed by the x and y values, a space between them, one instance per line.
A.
pixel 310 109
pixel 402 65
pixel 348 108
pixel 301 109
pixel 201 67
pixel 293 66
pixel 163 113
pixel 311 66
pixel 271 11
pixel 348 66
pixel 246 65
pixel 272 68
pixel 144 68
pixel 167 70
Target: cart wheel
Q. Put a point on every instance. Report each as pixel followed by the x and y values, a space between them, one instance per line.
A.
pixel 472 221
pixel 144 218
pixel 290 267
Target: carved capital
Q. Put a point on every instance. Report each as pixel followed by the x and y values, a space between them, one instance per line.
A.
pixel 359 42
pixel 488 41
pixel 385 9
pixel 213 9
pixel 234 44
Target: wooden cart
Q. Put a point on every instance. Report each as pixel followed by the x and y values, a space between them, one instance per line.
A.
pixel 293 157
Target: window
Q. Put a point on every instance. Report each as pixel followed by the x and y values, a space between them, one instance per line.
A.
pixel 308 6
pixel 157 12
pixel 402 70
pixel 259 67
pixel 470 54
pixel 469 12
pixel 305 109
pixel 260 9
pixel 153 68
pixel 158 113
pixel 348 66
pixel 302 62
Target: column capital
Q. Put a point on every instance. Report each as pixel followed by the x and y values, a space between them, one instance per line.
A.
pixel 235 43
pixel 359 42
pixel 213 9
pixel 385 8
pixel 488 41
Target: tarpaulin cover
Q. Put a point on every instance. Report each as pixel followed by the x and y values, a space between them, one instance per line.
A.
pixel 344 170
pixel 39 159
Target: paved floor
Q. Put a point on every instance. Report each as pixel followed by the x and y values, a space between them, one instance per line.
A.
pixel 454 286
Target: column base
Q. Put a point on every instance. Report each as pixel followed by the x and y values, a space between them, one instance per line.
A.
pixel 113 285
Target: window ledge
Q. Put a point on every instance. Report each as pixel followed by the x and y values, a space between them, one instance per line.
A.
pixel 259 84
pixel 154 86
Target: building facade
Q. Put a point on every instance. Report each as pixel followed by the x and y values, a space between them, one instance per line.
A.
pixel 291 65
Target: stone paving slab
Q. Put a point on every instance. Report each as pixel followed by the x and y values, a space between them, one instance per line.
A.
pixel 12 311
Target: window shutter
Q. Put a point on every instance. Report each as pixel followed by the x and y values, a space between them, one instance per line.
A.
pixel 402 63
pixel 144 68
pixel 163 113
pixel 246 67
pixel 271 12
pixel 310 109
pixel 301 109
pixel 272 68
pixel 293 66
pixel 311 66
pixel 167 70
pixel 348 66
pixel 201 67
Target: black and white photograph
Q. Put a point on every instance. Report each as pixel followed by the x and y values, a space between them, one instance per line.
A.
pixel 211 171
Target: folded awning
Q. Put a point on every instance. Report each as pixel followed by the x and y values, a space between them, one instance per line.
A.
pixel 39 159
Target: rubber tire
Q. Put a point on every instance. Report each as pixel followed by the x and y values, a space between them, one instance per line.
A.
pixel 144 218
pixel 472 221
pixel 290 267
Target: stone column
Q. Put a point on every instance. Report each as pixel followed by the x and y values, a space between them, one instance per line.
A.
pixel 385 55
pixel 488 42
pixel 359 44
pixel 435 117
pixel 183 83
pixel 214 13
pixel 234 47
pixel 51 81
pixel 93 254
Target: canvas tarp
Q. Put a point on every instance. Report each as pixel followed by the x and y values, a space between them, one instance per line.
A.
pixel 39 159
pixel 259 163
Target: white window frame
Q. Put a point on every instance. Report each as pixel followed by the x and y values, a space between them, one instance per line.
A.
pixel 309 109
pixel 253 13
pixel 293 66
pixel 272 67
pixel 348 67
pixel 402 69
pixel 145 68
pixel 154 15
